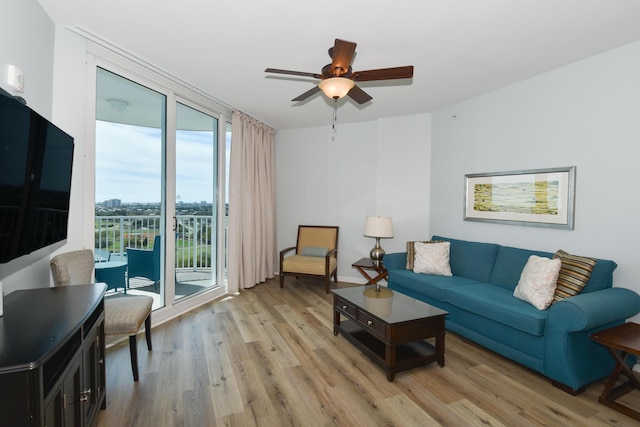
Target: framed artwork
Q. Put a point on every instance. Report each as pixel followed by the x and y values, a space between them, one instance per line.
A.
pixel 538 197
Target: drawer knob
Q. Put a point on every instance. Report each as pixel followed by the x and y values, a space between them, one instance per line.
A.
pixel 369 323
pixel 344 307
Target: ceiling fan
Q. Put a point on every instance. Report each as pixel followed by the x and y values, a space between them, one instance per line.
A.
pixel 338 79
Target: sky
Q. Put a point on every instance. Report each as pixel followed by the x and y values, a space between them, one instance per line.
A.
pixel 129 163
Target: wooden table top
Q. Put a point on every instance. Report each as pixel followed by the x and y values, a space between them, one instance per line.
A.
pixel 368 263
pixel 624 337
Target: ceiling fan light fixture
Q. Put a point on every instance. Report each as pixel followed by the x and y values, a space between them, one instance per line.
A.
pixel 336 87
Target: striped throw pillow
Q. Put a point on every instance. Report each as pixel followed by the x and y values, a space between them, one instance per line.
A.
pixel 574 274
pixel 411 252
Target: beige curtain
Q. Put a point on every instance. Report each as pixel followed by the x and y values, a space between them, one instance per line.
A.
pixel 252 204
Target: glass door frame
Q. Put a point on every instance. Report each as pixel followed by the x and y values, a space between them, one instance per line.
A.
pixel 175 91
pixel 171 194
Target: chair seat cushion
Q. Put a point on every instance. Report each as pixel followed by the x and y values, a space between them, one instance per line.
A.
pixel 125 315
pixel 307 265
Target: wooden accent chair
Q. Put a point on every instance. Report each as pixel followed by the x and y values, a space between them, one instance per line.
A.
pixel 316 254
pixel 123 315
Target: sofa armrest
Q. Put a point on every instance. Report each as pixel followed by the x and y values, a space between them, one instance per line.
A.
pixel 395 261
pixel 588 311
pixel 571 358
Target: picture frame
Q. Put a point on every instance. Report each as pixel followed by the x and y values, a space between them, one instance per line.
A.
pixel 537 197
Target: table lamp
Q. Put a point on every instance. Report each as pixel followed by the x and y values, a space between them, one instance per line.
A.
pixel 378 227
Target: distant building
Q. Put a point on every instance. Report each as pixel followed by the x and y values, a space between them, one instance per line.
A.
pixel 113 203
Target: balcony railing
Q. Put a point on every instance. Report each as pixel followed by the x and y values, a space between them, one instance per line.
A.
pixel 195 238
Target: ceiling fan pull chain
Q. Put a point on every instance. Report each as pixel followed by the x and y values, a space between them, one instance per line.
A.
pixel 335 113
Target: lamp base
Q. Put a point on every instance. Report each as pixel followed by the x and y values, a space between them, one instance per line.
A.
pixel 377 253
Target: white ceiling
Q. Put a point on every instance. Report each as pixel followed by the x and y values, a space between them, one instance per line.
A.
pixel 460 48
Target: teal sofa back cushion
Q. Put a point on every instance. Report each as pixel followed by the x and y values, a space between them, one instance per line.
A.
pixel 601 276
pixel 471 259
pixel 509 265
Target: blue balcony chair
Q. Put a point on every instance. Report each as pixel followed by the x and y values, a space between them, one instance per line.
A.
pixel 144 263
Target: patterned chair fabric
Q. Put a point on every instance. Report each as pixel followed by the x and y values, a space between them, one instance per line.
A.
pixel 316 254
pixel 72 268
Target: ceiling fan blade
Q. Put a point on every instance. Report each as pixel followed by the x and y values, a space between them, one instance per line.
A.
pixel 342 56
pixel 359 95
pixel 293 73
pixel 384 74
pixel 307 94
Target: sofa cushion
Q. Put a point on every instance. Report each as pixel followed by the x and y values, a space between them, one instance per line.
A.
pixel 435 287
pixel 411 252
pixel 473 260
pixel 432 258
pixel 498 304
pixel 601 276
pixel 574 274
pixel 537 282
pixel 509 265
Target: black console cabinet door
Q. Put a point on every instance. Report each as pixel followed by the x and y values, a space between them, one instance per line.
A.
pixel 44 335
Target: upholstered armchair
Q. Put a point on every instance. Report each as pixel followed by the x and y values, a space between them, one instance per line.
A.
pixel 316 254
pixel 123 315
pixel 72 268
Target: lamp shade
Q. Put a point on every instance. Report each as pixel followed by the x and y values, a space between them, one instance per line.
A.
pixel 336 87
pixel 378 226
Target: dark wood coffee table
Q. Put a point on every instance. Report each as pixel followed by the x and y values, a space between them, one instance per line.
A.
pixel 621 341
pixel 391 331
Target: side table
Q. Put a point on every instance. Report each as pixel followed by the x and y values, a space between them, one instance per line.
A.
pixel 366 264
pixel 620 341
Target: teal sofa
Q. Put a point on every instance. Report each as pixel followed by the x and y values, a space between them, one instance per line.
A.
pixel 479 298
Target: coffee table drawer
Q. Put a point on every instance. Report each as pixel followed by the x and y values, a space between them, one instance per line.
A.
pixel 371 323
pixel 347 307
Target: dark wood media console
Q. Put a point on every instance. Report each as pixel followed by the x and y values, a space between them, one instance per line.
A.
pixel 52 369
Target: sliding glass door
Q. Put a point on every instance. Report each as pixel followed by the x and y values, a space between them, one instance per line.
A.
pixel 195 221
pixel 129 213
pixel 156 189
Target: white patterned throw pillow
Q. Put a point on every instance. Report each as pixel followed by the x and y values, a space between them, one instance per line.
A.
pixel 432 258
pixel 537 283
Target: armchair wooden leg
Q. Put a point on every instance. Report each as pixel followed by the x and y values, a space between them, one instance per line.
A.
pixel 281 280
pixel 133 351
pixel 147 331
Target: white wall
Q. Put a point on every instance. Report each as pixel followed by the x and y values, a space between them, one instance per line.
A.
pixel 584 115
pixel 69 107
pixel 26 41
pixel 369 168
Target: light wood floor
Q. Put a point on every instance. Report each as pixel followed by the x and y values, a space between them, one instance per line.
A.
pixel 269 358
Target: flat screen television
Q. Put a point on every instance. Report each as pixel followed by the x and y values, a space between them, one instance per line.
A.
pixel 36 160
